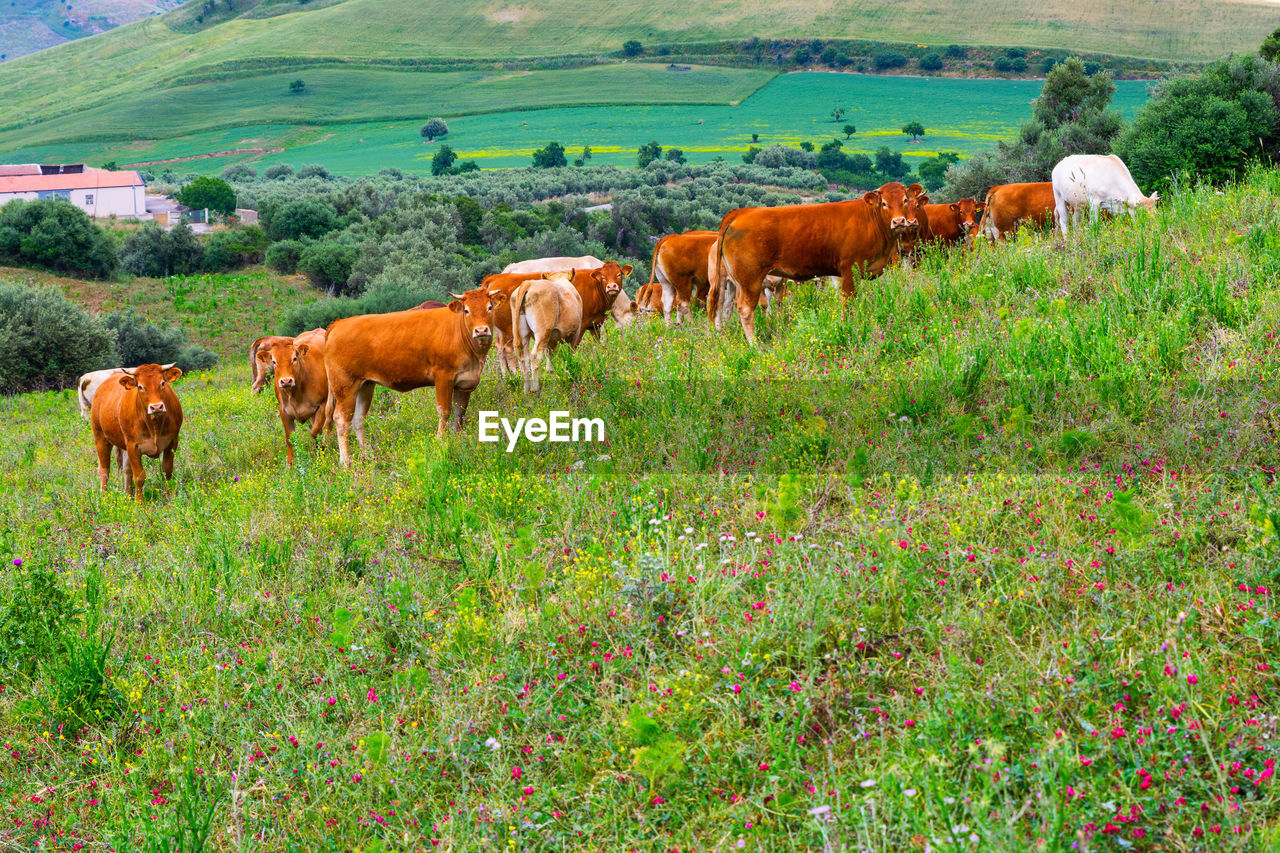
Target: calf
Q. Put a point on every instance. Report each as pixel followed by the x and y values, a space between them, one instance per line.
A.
pixel 545 312
pixel 136 413
pixel 302 388
pixel 445 347
pixel 1011 205
pixel 950 223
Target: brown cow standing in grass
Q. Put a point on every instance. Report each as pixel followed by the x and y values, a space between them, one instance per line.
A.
pixel 801 242
pixel 681 272
pixel 544 312
pixel 137 413
pixel 599 289
pixel 302 389
pixel 950 223
pixel 445 347
pixel 1011 205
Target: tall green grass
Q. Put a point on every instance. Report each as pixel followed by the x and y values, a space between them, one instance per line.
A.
pixel 983 559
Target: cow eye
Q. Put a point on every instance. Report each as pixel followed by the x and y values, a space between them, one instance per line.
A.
pixel 466 310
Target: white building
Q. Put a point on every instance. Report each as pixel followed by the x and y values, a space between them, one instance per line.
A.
pixel 98 192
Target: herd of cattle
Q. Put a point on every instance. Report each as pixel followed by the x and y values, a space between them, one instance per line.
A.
pixel 327 376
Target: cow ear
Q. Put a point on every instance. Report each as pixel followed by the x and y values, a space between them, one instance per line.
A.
pixel 456 306
pixel 496 297
pixel 264 355
pixel 922 200
pixel 128 381
pixel 598 276
pixel 172 374
pixel 301 350
pixel 915 189
pixel 871 197
pixel 547 275
pixel 626 269
pixel 955 207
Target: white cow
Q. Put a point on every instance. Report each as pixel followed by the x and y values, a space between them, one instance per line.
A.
pixel 544 312
pixel 1096 181
pixel 537 266
pixel 87 385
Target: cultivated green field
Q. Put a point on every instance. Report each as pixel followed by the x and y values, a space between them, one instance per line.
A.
pixel 961 115
pixel 983 560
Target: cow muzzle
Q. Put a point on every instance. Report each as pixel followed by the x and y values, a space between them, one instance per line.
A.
pixel 155 408
pixel 286 381
pixel 481 332
pixel 898 223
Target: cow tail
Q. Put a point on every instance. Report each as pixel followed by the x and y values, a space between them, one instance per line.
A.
pixel 517 339
pixel 253 367
pixel 653 267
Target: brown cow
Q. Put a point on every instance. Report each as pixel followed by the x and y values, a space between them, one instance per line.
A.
pixel 544 311
pixel 599 288
pixel 680 270
pixel 137 413
pixel 649 298
pixel 430 303
pixel 800 242
pixel 950 223
pixel 1010 205
pixel 302 389
pixel 259 371
pixel 505 283
pixel 445 347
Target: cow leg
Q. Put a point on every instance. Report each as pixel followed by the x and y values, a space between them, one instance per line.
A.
pixel 848 285
pixel 104 460
pixel 668 299
pixel 287 421
pixel 461 397
pixel 135 466
pixel 344 406
pixel 166 464
pixel 444 402
pixel 320 420
pixel 364 398
pixel 748 299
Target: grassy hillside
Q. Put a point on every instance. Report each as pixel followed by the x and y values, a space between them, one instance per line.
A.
pixel 960 115
pixel 985 559
pixel 31 25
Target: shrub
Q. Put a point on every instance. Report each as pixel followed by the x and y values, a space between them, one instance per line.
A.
pixel 632 48
pixel 278 171
pixel 647 153
pixel 151 251
pixel 293 220
pixel 435 128
pixel 675 155
pixel 955 51
pixel 319 314
pixel 213 193
pixel 884 60
pixel 931 62
pixel 234 248
pixel 443 160
pixel 283 256
pixel 239 172
pixel 328 264
pixel 56 235
pixel 46 341
pixel 1210 124
pixel 314 170
pixel 550 157
pixel 142 342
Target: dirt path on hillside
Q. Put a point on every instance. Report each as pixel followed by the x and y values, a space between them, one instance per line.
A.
pixel 229 152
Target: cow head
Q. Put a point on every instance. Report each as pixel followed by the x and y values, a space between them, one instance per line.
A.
pixel 901 207
pixel 1149 203
pixel 151 381
pixel 969 211
pixel 609 277
pixel 476 309
pixel 284 357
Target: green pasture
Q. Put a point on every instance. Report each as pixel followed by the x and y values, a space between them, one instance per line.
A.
pixel 983 558
pixel 960 115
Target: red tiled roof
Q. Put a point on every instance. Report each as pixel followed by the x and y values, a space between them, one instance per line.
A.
pixel 20 169
pixel 87 180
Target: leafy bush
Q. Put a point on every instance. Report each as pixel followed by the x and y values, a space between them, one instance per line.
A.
pixel 239 172
pixel 283 256
pixel 213 193
pixel 435 128
pixel 550 157
pixel 320 314
pixel 142 342
pixel 931 62
pixel 328 264
pixel 234 248
pixel 1209 124
pixel 314 170
pixel 56 235
pixel 293 220
pixel 278 171
pixel 153 252
pixel 887 59
pixel 46 341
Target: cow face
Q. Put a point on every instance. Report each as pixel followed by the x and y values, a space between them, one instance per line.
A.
pixel 476 307
pixel 151 381
pixel 609 277
pixel 284 359
pixel 969 211
pixel 900 206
